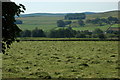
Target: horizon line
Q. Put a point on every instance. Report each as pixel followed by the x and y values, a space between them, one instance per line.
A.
pixel 70 12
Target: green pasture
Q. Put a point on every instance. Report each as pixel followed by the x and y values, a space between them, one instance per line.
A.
pixel 48 23
pixel 61 59
pixel 42 22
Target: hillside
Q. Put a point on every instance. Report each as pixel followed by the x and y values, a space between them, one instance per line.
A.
pixel 103 14
pixel 49 14
pixel 47 21
pixel 42 14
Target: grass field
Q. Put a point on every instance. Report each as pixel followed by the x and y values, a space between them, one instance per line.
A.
pixel 92 28
pixel 104 28
pixel 43 22
pixel 48 23
pixel 104 15
pixel 66 59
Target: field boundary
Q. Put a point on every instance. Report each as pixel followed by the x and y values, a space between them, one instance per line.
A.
pixel 76 40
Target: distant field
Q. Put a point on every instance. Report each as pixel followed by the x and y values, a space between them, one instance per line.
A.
pixel 104 28
pixel 104 15
pixel 61 59
pixel 48 23
pixel 91 28
pixel 43 22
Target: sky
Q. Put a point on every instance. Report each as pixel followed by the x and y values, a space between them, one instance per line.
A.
pixel 68 6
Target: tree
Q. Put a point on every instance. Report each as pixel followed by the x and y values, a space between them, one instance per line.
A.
pixel 101 36
pixel 26 33
pixel 67 22
pixel 97 31
pixel 63 33
pixel 9 29
pixel 60 23
pixel 38 33
pixel 113 20
pixel 81 23
pixel 80 35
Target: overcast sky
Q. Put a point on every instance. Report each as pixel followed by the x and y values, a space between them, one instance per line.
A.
pixel 68 6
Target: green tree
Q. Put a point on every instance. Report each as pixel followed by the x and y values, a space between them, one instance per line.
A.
pixel 97 31
pixel 60 23
pixel 81 23
pixel 26 33
pixel 101 36
pixel 80 35
pixel 62 33
pixel 113 20
pixel 52 34
pixel 67 22
pixel 9 29
pixel 38 33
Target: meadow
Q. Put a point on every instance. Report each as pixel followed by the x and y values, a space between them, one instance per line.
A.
pixel 61 59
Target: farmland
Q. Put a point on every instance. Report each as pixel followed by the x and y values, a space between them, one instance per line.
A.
pixel 48 23
pixel 66 59
pixel 43 22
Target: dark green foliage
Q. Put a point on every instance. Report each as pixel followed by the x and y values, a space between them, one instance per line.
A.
pixel 75 16
pixel 113 20
pixel 80 35
pixel 60 23
pixel 67 22
pixel 103 21
pixel 26 33
pixel 83 34
pixel 38 33
pixel 97 31
pixel 81 23
pixel 34 33
pixel 101 36
pixel 9 29
pixel 62 33
pixel 96 21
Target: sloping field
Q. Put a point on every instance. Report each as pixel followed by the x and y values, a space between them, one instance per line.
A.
pixel 48 23
pixel 43 22
pixel 104 15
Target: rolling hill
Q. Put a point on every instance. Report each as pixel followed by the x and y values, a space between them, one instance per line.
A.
pixel 103 14
pixel 47 21
pixel 49 14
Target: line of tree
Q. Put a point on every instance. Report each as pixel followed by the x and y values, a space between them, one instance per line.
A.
pixel 62 33
pixel 34 33
pixel 70 33
pixel 61 23
pixel 110 20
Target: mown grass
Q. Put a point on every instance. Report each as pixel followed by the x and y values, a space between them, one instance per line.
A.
pixel 66 59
